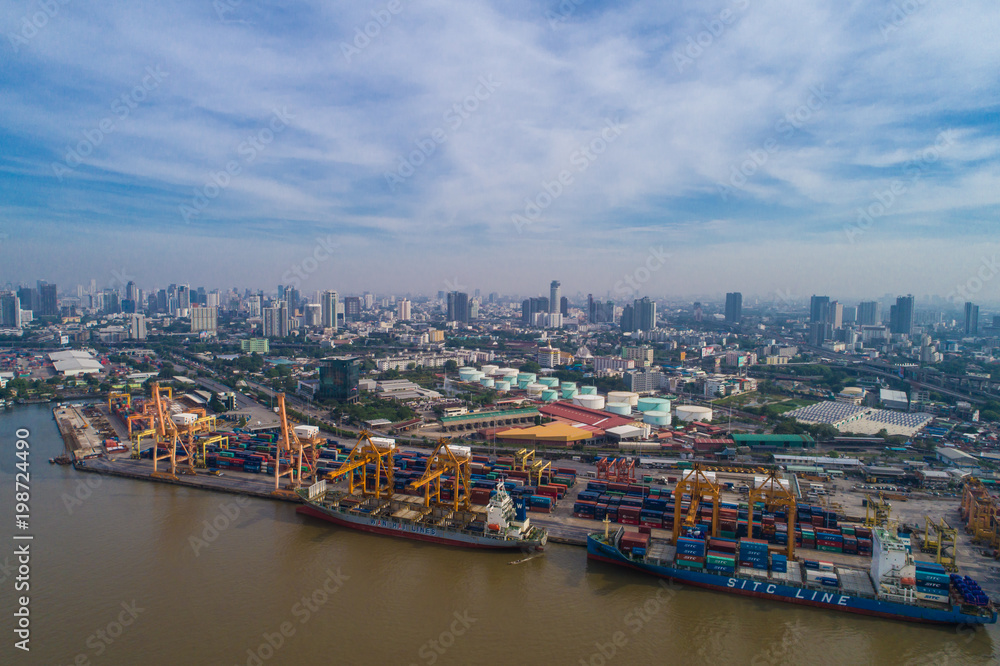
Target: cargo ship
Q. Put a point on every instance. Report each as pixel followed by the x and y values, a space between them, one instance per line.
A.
pixel 501 524
pixel 895 586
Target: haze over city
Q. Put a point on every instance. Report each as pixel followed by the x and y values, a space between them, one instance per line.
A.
pixel 780 149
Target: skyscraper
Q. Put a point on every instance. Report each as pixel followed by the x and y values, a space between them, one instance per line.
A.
pixel 204 318
pixel 870 313
pixel 328 303
pixel 10 310
pixel 183 297
pixel 901 315
pixel 532 306
pixel 47 302
pixel 403 310
pixel 137 327
pixel 352 308
pixel 734 307
pixel 645 314
pixel 564 306
pixel 458 306
pixel 276 320
pixel 971 319
pixel 818 309
pixel 554 295
pixel 29 299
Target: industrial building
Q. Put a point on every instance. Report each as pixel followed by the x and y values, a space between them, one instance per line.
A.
pixel 72 362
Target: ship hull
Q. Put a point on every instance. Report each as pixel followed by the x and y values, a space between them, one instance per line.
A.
pixel 405 530
pixel 772 591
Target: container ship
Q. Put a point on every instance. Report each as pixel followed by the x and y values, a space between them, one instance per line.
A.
pixel 895 586
pixel 372 501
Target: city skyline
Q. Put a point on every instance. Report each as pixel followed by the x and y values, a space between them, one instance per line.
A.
pixel 596 142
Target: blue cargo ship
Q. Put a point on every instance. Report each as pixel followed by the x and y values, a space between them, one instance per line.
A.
pixel 895 587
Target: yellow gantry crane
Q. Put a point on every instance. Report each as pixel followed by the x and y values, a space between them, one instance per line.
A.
pixel 118 397
pixel 299 445
pixel 939 538
pixel 524 461
pixel 446 459
pixel 166 432
pixel 697 485
pixel 877 512
pixel 774 494
pixel 380 454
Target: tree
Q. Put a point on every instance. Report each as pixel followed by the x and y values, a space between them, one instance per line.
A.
pixel 451 366
pixel 530 366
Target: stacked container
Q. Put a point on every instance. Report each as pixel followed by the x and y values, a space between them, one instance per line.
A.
pixel 779 563
pixel 690 553
pixel 932 582
pixel 753 554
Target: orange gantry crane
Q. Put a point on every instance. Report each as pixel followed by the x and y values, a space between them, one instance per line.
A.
pixel 616 470
pixel 696 484
pixel 981 511
pixel 453 460
pixel 378 452
pixel 299 445
pixel 774 493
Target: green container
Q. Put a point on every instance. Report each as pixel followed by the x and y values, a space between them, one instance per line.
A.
pixel 829 549
pixel 727 535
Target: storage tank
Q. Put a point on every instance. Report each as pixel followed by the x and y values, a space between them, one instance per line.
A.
pixel 523 383
pixel 551 382
pixel 490 369
pixel 656 418
pixel 510 374
pixel 306 431
pixel 535 390
pixel 588 390
pixel 502 385
pixel 653 404
pixel 530 377
pixel 622 408
pixel 568 385
pixel 488 382
pixel 184 418
pixel 550 395
pixel 568 393
pixel 466 374
pixel 589 401
pixel 689 413
pixel 476 376
pixel 624 396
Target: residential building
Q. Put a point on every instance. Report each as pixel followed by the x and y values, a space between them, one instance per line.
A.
pixel 204 319
pixel 971 319
pixel 458 307
pixel 137 327
pixel 870 313
pixel 328 309
pixel 734 307
pixel 403 310
pixel 554 295
pixel 258 345
pixel 901 316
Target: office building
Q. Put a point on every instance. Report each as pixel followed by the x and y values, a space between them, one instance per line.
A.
pixel 599 312
pixel 564 306
pixel 458 306
pixel 554 294
pixel 734 307
pixel 818 309
pixel 276 320
pixel 870 313
pixel 10 310
pixel 328 307
pixel 48 304
pixel 204 319
pixel 29 299
pixel 971 319
pixel 338 378
pixel 531 307
pixel 137 327
pixel 183 297
pixel 645 314
pixel 698 312
pixel 255 345
pixel 352 308
pixel 312 315
pixel 901 316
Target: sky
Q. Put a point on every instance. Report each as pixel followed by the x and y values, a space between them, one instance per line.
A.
pixel 626 149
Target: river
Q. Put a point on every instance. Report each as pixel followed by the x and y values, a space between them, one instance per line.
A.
pixel 130 572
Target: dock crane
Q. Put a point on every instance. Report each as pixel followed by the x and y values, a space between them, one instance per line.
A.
pixel 166 433
pixel 524 461
pixel 774 494
pixel 877 512
pixel 616 470
pixel 447 459
pixel 981 512
pixel 368 451
pixel 939 537
pixel 696 484
pixel 299 445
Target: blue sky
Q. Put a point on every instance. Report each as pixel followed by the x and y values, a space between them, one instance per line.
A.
pixel 776 148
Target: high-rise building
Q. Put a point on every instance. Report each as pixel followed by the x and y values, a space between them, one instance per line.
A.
pixel 276 320
pixel 971 319
pixel 10 310
pixel 734 307
pixel 850 314
pixel 599 312
pixel 473 310
pixel 131 291
pixel 699 312
pixel 338 378
pixel 901 315
pixel 645 314
pixel 204 319
pixel 869 313
pixel 369 299
pixel 212 299
pixel 313 315
pixel 183 297
pixel 531 307
pixel 48 304
pixel 403 309
pixel 328 303
pixel 29 299
pixel 554 294
pixel 352 308
pixel 458 306
pixel 818 309
pixel 835 314
pixel 137 327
